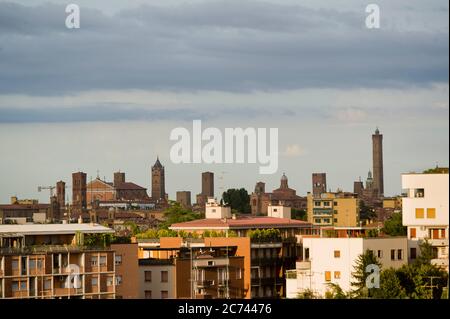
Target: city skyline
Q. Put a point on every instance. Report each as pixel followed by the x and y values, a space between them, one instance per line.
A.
pixel 324 80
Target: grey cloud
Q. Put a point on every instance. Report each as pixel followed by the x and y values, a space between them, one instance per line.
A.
pixel 224 45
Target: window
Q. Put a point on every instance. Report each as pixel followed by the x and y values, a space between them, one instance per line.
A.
pixel 32 263
pixel 15 264
pixel 335 220
pixel 326 220
pixel 306 253
pixel 380 254
pixel 94 281
pixel 164 294
pixel 335 203
pixel 335 212
pixel 400 254
pixel 148 276
pixel 419 192
pixel 15 286
pixel 317 220
pixel 275 210
pixel 337 275
pixel 413 253
pixel 327 275
pixel 47 284
pixel 210 263
pixel 148 294
pixel 316 203
pixel 239 273
pixel 337 254
pixel 109 281
pixel 94 260
pixel 102 260
pixel 118 259
pixel 431 213
pixel 23 285
pixel 118 280
pixel 419 212
pixel 164 276
pixel 412 233
pixel 326 204
pixel 392 254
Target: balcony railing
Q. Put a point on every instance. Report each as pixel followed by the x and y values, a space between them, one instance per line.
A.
pixel 204 283
pixel 48 249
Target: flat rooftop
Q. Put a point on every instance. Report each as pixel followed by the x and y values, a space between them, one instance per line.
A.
pixel 241 222
pixel 53 229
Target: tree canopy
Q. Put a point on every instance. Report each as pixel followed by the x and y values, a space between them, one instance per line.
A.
pixel 237 199
pixel 393 226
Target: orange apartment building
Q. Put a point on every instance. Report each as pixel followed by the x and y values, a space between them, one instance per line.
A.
pixel 55 261
pixel 127 270
pixel 195 269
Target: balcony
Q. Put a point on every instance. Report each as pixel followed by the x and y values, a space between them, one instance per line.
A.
pixel 204 283
pixel 223 283
pixel 303 265
pixel 438 242
pixel 440 262
pixel 267 281
pixel 49 249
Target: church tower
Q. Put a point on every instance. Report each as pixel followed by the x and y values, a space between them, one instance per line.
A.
pixel 158 182
pixel 377 153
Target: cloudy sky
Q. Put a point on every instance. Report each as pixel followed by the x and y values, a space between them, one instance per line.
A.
pixel 106 96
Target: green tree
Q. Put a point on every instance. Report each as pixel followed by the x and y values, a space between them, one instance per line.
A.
pixel 360 275
pixel 366 212
pixel 390 286
pixel 237 199
pixel 335 292
pixel 299 214
pixel 177 214
pixel 394 226
pixel 307 294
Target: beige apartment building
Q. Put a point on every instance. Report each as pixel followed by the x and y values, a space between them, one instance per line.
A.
pixel 55 261
pixel 339 209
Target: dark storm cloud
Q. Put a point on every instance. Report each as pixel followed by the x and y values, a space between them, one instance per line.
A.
pixel 225 46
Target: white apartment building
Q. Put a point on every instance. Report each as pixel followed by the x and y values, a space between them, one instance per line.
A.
pixel 213 210
pixel 332 260
pixel 425 213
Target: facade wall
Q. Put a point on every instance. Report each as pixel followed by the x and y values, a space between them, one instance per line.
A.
pixel 426 214
pixel 332 260
pixel 157 285
pixel 127 269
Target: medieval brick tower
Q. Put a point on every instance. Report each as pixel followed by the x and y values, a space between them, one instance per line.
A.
pixel 319 184
pixel 61 193
pixel 377 152
pixel 208 184
pixel 158 182
pixel 79 199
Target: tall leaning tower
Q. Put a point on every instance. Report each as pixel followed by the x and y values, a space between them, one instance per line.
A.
pixel 158 181
pixel 377 153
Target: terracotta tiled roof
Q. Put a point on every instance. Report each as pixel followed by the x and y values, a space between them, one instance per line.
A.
pixel 129 186
pixel 22 207
pixel 243 222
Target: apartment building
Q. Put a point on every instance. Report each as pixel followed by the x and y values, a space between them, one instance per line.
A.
pixel 126 270
pixel 332 260
pixel 55 261
pixel 339 209
pixel 425 213
pixel 192 269
pixel 266 258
